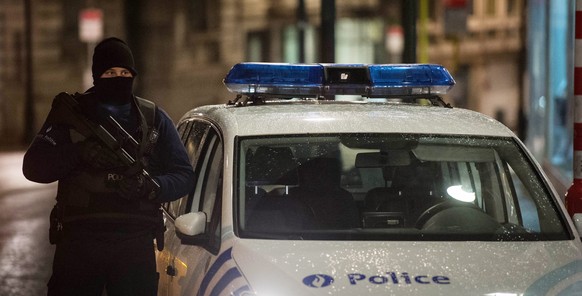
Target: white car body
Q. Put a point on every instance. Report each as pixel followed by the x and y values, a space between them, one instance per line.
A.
pixel 197 262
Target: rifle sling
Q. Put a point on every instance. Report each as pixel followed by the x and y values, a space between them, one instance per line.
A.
pixel 146 110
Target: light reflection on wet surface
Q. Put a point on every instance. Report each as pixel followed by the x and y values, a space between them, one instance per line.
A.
pixel 25 253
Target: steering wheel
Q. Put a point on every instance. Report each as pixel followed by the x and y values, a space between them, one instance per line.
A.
pixel 435 209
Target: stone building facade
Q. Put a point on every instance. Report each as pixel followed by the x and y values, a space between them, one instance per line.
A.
pixel 184 48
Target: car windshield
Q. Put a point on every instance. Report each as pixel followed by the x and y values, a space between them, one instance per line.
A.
pixel 391 187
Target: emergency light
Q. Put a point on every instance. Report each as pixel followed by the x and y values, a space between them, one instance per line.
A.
pixel 315 80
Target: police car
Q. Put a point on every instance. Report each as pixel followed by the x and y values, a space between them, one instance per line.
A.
pixel 335 179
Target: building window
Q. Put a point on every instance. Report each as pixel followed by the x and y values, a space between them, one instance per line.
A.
pixel 290 46
pixel 204 15
pixel 258 46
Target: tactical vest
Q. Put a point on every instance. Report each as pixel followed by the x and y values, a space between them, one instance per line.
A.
pixel 90 195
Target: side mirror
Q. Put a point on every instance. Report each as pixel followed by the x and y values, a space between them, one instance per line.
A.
pixel 191 224
pixel 578 222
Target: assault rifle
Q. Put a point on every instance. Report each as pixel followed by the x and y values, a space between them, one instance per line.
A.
pixel 66 110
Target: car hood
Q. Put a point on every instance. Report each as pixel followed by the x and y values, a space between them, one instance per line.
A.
pixel 274 267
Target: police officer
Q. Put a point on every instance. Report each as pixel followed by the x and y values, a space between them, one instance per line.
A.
pixel 107 213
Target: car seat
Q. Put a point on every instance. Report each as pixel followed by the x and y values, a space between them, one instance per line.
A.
pixel 274 211
pixel 319 188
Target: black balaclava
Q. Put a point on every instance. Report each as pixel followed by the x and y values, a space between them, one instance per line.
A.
pixel 113 52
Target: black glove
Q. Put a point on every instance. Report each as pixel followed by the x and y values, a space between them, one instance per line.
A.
pixel 136 186
pixel 92 153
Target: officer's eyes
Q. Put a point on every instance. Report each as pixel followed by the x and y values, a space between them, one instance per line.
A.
pixel 112 73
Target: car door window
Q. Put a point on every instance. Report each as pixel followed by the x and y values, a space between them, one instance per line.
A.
pixel 192 134
pixel 208 190
pixel 194 141
pixel 183 130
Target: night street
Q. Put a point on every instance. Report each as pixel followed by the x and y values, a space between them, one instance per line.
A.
pixel 25 253
pixel 293 147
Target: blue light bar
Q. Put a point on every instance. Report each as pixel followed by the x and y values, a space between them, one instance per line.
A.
pixel 410 79
pixel 275 79
pixel 315 80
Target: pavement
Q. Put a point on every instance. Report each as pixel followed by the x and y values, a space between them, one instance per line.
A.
pixel 25 253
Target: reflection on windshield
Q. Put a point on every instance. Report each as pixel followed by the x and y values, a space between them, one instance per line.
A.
pixel 457 192
pixel 391 187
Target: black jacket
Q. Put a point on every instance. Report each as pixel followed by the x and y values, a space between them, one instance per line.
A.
pixel 53 155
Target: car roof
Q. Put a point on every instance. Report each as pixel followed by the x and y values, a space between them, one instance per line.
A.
pixel 313 116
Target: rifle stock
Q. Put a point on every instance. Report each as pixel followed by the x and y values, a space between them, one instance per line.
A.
pixel 66 110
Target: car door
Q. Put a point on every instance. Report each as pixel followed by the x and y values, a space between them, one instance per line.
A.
pixel 187 262
pixel 192 133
